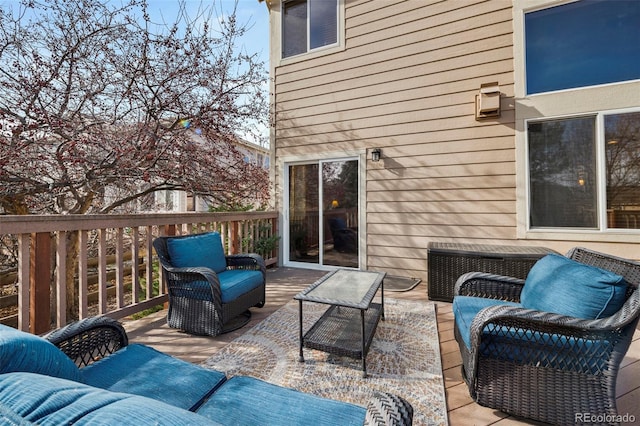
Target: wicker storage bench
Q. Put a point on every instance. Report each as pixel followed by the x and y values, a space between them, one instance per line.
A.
pixel 447 261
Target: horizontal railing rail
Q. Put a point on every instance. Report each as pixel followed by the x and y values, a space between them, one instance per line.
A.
pixel 109 259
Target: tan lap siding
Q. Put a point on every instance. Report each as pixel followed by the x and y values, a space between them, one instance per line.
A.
pixel 406 83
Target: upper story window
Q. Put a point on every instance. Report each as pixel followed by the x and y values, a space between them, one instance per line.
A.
pixel 308 25
pixel 581 44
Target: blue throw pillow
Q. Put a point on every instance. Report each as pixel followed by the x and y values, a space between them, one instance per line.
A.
pixel 21 351
pixel 563 286
pixel 198 250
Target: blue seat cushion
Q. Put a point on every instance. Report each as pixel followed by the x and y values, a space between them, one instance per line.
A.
pixel 245 400
pixel 465 308
pixel 53 401
pixel 233 283
pixel 522 346
pixel 21 351
pixel 563 286
pixel 198 250
pixel 141 370
pixel 236 282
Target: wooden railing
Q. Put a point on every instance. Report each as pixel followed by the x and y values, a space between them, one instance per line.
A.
pixel 111 261
pixel 625 218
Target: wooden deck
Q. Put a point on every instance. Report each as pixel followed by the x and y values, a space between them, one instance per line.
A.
pixel 284 283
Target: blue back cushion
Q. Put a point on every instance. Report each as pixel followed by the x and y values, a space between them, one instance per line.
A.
pixel 198 250
pixel 245 400
pixel 21 351
pixel 563 286
pixel 142 370
pixel 338 223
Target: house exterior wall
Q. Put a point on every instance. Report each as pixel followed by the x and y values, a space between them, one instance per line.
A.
pixel 403 79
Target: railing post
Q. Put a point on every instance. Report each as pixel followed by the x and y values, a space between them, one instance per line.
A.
pixel 149 272
pixel 275 253
pixel 135 265
pixel 24 280
pixel 40 283
pixel 61 279
pixel 83 282
pixel 102 271
pixel 235 240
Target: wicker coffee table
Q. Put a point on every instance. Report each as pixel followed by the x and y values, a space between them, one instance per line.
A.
pixel 348 326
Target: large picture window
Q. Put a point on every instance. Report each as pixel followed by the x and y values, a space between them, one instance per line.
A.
pixel 562 166
pixel 622 147
pixel 308 25
pixel 573 160
pixel 581 44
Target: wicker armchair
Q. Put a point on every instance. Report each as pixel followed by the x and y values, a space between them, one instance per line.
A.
pixel 90 339
pixel 345 239
pixel 541 365
pixel 196 301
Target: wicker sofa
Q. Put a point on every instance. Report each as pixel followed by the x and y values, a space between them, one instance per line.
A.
pixel 209 292
pixel 88 374
pixel 555 363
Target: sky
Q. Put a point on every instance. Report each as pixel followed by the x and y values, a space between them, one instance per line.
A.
pixel 250 12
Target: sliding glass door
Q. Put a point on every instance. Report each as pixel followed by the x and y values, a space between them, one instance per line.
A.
pixel 304 190
pixel 323 213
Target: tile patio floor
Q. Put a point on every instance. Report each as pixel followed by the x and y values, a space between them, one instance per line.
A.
pixel 284 283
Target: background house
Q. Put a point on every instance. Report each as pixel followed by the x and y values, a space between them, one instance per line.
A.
pixel 182 201
pixel 497 122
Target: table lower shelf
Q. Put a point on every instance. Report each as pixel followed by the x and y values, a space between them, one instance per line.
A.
pixel 339 331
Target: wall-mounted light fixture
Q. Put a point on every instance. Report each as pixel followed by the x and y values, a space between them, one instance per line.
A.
pixel 375 154
pixel 488 101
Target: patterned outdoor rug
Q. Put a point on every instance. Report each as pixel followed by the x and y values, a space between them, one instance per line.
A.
pixel 404 359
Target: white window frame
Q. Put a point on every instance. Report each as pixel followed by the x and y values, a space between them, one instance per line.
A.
pixel 310 53
pixel 592 100
pixel 601 172
pixel 527 6
pixel 284 163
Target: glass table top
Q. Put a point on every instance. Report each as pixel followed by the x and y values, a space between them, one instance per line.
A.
pixel 344 287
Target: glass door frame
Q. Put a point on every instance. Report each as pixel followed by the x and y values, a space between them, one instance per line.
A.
pixel 285 240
